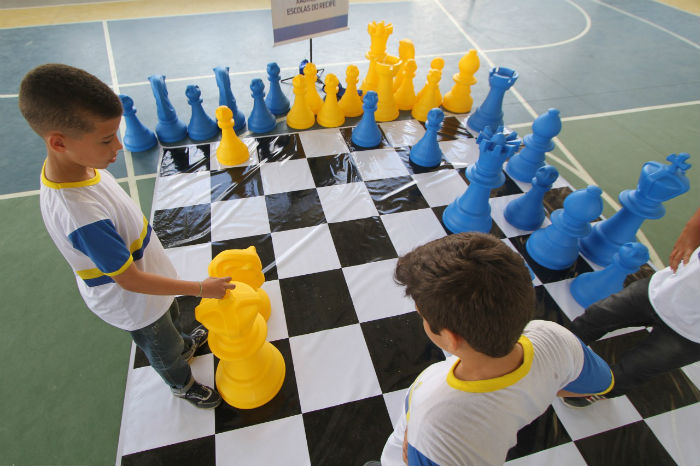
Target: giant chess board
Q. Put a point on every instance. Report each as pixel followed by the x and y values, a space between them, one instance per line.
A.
pixel 329 220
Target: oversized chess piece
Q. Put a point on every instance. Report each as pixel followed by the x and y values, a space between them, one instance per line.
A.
pixel 331 115
pixel 433 87
pixel 351 103
pixel 223 82
pixel 523 165
pixel 590 287
pixel 657 183
pixel 427 152
pixel 407 51
pixel 242 265
pixel 426 99
pixel 261 120
pixel 556 246
pixel 379 34
pixel 387 110
pixel 169 128
pixel 202 126
pixel 471 211
pixel 367 134
pixel 313 99
pixel 459 98
pixel 527 212
pixel 137 137
pixel 231 150
pixel 405 95
pixel 276 101
pixel 490 112
pixel 300 115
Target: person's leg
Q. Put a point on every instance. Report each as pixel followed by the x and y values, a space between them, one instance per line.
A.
pixel 630 307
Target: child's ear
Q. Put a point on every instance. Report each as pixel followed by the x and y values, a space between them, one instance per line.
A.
pixel 453 340
pixel 56 141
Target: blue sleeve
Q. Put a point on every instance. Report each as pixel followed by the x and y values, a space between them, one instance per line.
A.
pixel 101 242
pixel 416 458
pixel 595 377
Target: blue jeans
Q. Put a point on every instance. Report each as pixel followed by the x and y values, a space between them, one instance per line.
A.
pixel 164 344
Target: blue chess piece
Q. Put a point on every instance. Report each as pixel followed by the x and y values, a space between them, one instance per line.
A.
pixel 226 97
pixel 471 211
pixel 137 137
pixel 427 152
pixel 169 128
pixel 556 246
pixel 657 183
pixel 527 212
pixel 202 126
pixel 490 112
pixel 590 287
pixel 523 165
pixel 367 134
pixel 276 101
pixel 261 120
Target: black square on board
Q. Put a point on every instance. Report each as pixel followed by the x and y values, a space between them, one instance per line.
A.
pixel 544 432
pixel 399 194
pixel 183 226
pixel 284 404
pixel 399 349
pixel 294 209
pixel 330 170
pixel 200 451
pixel 279 148
pixel 361 241
pixel 452 129
pixel 187 159
pixel 546 308
pixel 317 301
pixel 548 275
pixel 263 247
pixel 351 433
pixel 665 392
pixel 236 183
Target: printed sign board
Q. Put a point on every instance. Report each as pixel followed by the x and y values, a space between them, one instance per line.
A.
pixel 294 20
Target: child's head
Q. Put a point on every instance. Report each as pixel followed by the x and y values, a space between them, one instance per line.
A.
pixel 69 100
pixel 473 285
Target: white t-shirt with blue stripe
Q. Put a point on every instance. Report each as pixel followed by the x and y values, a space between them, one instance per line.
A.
pixel 101 231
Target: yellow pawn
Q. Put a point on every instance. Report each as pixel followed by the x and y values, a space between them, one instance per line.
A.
pixel 407 51
pixel 331 115
pixel 242 265
pixel 251 370
pixel 387 110
pixel 351 103
pixel 459 98
pixel 231 150
pixel 313 100
pixel 426 98
pixel 405 95
pixel 300 115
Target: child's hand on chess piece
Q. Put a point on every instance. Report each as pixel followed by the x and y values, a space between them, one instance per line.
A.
pixel 215 287
pixel 686 243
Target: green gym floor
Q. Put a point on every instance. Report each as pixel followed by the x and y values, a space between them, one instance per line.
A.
pixel 64 370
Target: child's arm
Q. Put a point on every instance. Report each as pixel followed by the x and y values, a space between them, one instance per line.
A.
pixel 686 243
pixel 137 281
pixel 595 377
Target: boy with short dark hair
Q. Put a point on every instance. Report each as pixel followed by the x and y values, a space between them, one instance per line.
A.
pixel 476 299
pixel 121 268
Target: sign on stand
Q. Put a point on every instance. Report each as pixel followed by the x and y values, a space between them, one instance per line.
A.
pixel 294 20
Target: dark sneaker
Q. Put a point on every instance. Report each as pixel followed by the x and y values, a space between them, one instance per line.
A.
pixel 582 401
pixel 201 396
pixel 199 337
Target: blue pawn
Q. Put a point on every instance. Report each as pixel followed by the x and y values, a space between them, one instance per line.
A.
pixel 276 101
pixel 527 212
pixel 226 96
pixel 366 134
pixel 202 126
pixel 427 152
pixel 169 128
pixel 490 112
pixel 471 211
pixel 556 247
pixel 260 119
pixel 137 137
pixel 590 287
pixel 522 166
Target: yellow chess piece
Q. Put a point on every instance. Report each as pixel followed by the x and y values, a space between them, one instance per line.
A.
pixel 313 100
pixel 351 103
pixel 405 95
pixel 459 98
pixel 387 109
pixel 331 115
pixel 251 370
pixel 379 34
pixel 407 51
pixel 426 98
pixel 436 65
pixel 231 150
pixel 300 115
pixel 242 265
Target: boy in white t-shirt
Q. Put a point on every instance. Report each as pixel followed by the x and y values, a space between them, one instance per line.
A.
pixel 121 268
pixel 668 302
pixel 476 298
